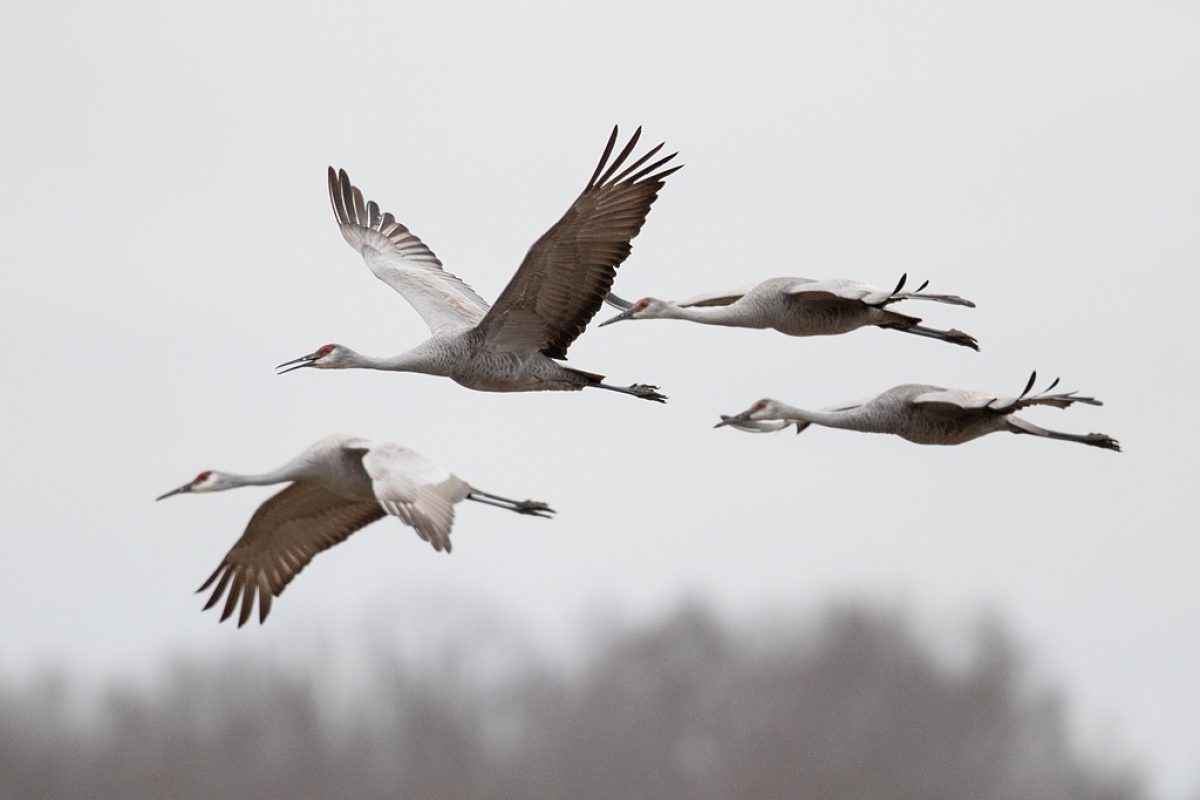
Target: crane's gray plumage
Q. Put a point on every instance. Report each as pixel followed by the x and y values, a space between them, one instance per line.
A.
pixel 559 287
pixel 800 307
pixel 398 258
pixel 337 485
pixel 931 414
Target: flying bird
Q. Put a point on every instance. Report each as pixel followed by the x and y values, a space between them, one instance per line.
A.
pixel 337 485
pixel 931 414
pixel 561 284
pixel 800 307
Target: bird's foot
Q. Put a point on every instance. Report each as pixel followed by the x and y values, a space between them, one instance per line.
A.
pixel 1102 440
pixel 534 508
pixel 646 392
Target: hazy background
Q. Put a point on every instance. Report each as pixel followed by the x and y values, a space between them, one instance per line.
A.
pixel 167 239
pixel 852 705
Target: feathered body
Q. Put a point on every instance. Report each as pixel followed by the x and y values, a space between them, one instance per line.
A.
pixel 927 414
pixel 561 283
pixel 465 357
pixel 336 486
pixel 800 307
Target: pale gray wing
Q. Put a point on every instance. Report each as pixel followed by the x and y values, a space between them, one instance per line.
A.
pixel 420 492
pixel 568 272
pixel 285 533
pixel 402 261
pixel 838 289
pixel 955 401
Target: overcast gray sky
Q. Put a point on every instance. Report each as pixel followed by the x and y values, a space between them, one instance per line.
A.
pixel 167 239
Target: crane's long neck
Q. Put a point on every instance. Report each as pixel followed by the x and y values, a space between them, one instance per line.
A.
pixel 426 358
pixel 707 315
pixel 851 419
pixel 287 472
pixel 297 469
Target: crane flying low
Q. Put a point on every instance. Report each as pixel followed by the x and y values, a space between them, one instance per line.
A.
pixel 338 485
pixel 928 415
pixel 800 307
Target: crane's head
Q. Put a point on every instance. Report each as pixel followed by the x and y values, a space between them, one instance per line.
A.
pixel 646 308
pixel 762 410
pixel 327 356
pixel 207 481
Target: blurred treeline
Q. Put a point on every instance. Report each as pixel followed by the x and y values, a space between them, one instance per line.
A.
pixel 855 705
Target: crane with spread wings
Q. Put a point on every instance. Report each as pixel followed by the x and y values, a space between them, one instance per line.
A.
pixel 514 345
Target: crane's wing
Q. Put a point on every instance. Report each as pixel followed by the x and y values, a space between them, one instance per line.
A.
pixel 417 490
pixel 402 261
pixel 955 401
pixel 807 290
pixel 285 533
pixel 722 298
pixel 567 273
pixel 971 399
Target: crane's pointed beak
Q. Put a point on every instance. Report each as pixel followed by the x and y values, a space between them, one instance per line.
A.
pixel 187 487
pixel 299 363
pixel 626 314
pixel 728 420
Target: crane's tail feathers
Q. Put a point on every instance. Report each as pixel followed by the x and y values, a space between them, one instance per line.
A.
pixel 1063 400
pixel 617 302
pixel 919 294
pixel 953 336
pixel 1017 425
pixel 1044 398
pixel 951 299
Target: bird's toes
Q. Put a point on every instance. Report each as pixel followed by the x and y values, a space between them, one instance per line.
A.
pixel 534 508
pixel 647 392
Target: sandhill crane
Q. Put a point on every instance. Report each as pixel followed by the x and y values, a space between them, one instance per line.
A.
pixel 338 485
pixel 559 287
pixel 799 307
pixel 931 414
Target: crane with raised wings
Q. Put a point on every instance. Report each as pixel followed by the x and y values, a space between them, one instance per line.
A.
pixel 514 345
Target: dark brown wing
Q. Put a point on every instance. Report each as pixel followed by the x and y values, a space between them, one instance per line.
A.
pixel 567 273
pixel 284 534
